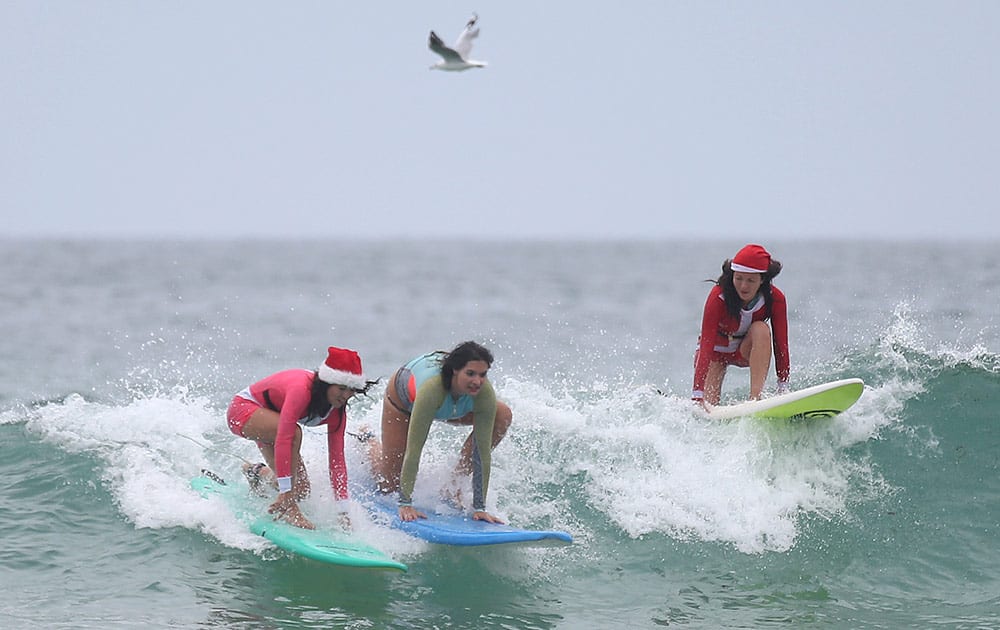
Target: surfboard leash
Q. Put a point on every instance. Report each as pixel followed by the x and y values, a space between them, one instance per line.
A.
pixel 216 450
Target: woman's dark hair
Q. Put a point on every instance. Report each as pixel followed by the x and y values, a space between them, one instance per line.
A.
pixel 462 354
pixel 733 302
pixel 319 406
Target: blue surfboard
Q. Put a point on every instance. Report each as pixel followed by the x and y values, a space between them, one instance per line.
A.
pixel 463 530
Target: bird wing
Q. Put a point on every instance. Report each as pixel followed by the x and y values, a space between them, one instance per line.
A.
pixel 434 43
pixel 464 43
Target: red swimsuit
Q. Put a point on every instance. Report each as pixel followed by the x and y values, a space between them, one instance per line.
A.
pixel 721 335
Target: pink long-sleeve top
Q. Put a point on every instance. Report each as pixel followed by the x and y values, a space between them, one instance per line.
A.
pixel 288 392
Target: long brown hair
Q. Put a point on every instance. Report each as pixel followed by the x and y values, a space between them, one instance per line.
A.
pixel 319 406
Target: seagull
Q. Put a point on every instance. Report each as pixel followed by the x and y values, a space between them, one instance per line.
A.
pixel 456 59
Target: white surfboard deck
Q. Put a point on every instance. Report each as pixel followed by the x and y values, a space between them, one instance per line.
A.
pixel 818 401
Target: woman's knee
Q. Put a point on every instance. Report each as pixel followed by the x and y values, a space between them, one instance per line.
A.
pixel 760 332
pixel 503 418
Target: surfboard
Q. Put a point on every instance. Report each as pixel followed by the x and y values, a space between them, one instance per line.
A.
pixel 819 401
pixel 462 530
pixel 331 547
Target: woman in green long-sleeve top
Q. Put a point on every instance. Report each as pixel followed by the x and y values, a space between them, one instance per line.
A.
pixel 447 386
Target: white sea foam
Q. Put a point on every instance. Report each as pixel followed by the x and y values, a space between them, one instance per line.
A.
pixel 652 465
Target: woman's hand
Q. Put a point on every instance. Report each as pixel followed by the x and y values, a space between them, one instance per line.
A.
pixel 286 509
pixel 410 513
pixel 486 516
pixel 344 521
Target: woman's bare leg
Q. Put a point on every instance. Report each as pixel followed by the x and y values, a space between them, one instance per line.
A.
pixel 262 427
pixel 386 457
pixel 756 347
pixel 713 382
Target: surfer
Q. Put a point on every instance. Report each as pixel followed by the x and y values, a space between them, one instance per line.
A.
pixel 735 330
pixel 270 411
pixel 447 386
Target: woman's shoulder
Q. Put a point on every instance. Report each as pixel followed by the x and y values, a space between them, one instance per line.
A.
pixel 488 390
pixel 715 296
pixel 428 359
pixel 433 384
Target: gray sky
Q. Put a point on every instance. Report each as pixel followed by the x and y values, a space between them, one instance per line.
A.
pixel 659 119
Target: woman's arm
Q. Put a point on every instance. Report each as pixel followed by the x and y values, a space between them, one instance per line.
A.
pixel 484 415
pixel 779 331
pixel 335 453
pixel 429 398
pixel 712 314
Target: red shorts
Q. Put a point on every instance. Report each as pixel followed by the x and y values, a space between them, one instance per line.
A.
pixel 725 358
pixel 239 414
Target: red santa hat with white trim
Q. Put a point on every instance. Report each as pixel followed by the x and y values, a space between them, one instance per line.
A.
pixel 342 367
pixel 751 259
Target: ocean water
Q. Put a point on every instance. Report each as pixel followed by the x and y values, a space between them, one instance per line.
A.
pixel 119 358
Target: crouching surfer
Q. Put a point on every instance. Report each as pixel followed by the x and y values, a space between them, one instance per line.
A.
pixel 270 413
pixel 451 388
pixel 735 326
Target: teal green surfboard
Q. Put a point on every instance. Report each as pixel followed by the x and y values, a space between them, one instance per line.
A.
pixel 819 401
pixel 332 547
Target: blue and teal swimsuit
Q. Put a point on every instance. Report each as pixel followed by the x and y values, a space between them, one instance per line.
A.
pixel 421 391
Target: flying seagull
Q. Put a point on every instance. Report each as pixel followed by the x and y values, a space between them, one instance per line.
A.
pixel 457 58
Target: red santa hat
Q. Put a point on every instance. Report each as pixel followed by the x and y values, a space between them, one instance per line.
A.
pixel 342 367
pixel 752 259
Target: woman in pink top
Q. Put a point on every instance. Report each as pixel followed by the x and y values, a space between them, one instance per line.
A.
pixel 271 410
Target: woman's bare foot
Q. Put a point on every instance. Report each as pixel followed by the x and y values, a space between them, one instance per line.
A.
pixel 452 493
pixel 364 434
pixel 255 477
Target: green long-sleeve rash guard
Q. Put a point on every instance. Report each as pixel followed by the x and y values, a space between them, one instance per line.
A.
pixel 430 398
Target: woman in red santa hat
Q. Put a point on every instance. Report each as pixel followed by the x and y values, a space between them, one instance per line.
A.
pixel 735 330
pixel 270 411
